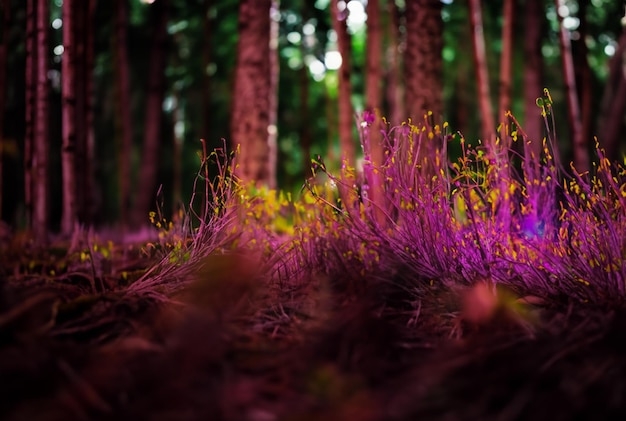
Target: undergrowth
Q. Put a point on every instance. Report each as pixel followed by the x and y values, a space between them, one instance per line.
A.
pixel 488 286
pixel 497 215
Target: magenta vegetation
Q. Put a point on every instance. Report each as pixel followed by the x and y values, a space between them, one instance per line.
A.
pixel 485 287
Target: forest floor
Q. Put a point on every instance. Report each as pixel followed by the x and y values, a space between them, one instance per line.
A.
pixel 77 342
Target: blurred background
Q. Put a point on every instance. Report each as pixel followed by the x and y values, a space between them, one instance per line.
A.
pixel 145 80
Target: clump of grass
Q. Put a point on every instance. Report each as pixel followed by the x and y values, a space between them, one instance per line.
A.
pixel 533 227
pixel 493 216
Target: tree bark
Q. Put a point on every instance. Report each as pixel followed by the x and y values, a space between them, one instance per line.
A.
pixel 79 116
pixel 272 128
pixel 82 116
pixel 68 151
pixel 346 113
pixel 482 73
pixel 4 42
pixel 373 56
pixel 207 57
pixel 250 115
pixel 614 105
pixel 504 104
pixel 533 73
pixel 579 145
pixel 30 97
pixel 89 200
pixel 153 116
pixel 583 74
pixel 394 91
pixel 77 135
pixel 96 201
pixel 423 63
pixel 123 115
pixel 41 135
pixel 373 102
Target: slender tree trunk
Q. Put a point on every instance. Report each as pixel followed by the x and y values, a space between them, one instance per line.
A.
pixel 272 128
pixel 614 105
pixel 79 116
pixel 423 63
pixel 504 103
pixel 482 73
pixel 394 90
pixel 373 102
pixel 153 117
pixel 579 145
pixel 31 84
pixel 123 115
pixel 4 42
pixel 68 152
pixel 346 113
pixel 41 147
pixel 82 114
pixel 373 55
pixel 614 130
pixel 90 199
pixel 77 148
pixel 207 54
pixel 305 126
pixel 533 73
pixel 207 59
pixel 583 73
pixel 250 117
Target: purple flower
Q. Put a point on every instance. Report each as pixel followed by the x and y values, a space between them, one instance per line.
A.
pixel 369 117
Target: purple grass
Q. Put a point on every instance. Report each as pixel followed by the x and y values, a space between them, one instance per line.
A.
pixel 534 228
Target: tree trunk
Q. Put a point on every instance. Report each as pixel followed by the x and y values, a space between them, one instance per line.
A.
pixel 504 104
pixel 272 128
pixel 82 34
pixel 80 27
pixel 614 105
pixel 394 91
pixel 4 42
pixel 250 115
pixel 583 74
pixel 482 73
pixel 373 55
pixel 123 116
pixel 423 63
pixel 579 145
pixel 41 136
pixel 373 101
pixel 533 73
pixel 68 151
pixel 77 145
pixel 207 57
pixel 89 204
pixel 346 113
pixel 153 117
pixel 306 139
pixel 614 130
pixel 30 96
